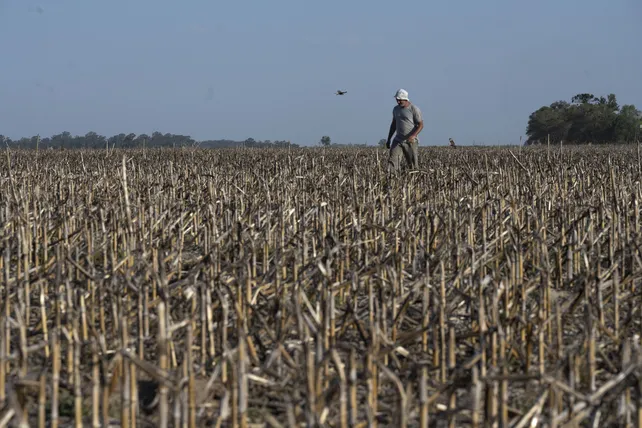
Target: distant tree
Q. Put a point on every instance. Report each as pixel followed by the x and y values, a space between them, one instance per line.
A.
pixel 62 140
pixel 382 142
pixel 325 141
pixel 24 142
pixel 587 119
pixel 130 138
pixel 552 120
pixel 627 123
pixel 583 98
pixel 142 140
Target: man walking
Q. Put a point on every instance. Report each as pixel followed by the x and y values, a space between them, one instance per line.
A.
pixel 407 123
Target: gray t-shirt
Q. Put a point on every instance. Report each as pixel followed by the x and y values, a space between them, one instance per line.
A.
pixel 406 119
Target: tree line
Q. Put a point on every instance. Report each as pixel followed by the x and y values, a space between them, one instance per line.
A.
pixel 93 140
pixel 587 119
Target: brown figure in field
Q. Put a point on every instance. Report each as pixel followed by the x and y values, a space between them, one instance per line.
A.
pixel 452 142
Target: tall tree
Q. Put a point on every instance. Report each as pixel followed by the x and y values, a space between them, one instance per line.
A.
pixel 325 141
pixel 587 119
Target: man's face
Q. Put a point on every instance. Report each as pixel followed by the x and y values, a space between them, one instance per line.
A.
pixel 402 103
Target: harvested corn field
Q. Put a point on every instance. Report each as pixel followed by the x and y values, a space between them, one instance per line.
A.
pixel 186 287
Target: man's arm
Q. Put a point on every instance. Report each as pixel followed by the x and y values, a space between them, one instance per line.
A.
pixel 416 131
pixel 391 131
pixel 419 123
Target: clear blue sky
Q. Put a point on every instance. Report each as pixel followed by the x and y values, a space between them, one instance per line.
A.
pixel 269 69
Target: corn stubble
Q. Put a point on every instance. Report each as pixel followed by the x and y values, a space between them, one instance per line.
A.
pixel 192 288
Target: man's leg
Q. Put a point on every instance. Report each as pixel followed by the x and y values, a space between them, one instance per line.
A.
pixel 408 153
pixel 394 160
pixel 414 146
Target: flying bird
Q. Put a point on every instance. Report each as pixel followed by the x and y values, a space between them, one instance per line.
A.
pixel 341 92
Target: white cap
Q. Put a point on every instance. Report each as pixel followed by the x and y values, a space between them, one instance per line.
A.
pixel 402 94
